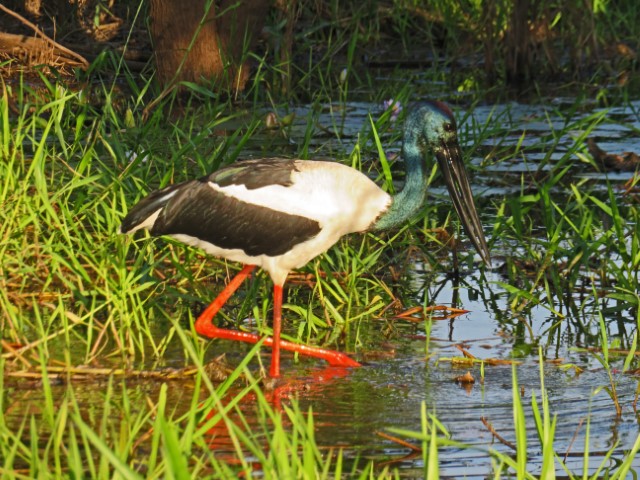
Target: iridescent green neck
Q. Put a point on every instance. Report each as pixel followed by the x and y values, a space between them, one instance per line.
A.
pixel 406 204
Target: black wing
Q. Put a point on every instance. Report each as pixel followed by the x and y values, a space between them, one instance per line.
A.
pixel 200 211
pixel 256 173
pixel 194 208
pixel 148 206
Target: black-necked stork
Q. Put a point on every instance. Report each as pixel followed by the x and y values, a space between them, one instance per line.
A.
pixel 279 214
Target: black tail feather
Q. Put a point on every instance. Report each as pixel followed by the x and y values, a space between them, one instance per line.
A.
pixel 146 207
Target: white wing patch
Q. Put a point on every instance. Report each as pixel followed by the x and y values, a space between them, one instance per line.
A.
pixel 336 196
pixel 147 223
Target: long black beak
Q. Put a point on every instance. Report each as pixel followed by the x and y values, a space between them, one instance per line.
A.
pixel 449 157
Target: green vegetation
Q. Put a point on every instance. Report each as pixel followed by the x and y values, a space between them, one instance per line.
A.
pixel 102 374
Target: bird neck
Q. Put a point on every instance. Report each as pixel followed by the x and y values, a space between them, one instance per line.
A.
pixel 407 203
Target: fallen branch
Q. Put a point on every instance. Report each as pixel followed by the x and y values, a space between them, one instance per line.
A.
pixel 493 432
pixel 215 370
pixel 20 41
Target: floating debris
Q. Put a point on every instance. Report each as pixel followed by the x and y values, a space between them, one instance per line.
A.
pixel 625 162
pixel 273 122
pixel 419 314
pixel 469 359
pixel 465 379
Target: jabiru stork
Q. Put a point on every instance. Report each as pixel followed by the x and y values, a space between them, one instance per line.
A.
pixel 279 214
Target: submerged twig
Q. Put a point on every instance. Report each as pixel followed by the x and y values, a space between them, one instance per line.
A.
pixel 573 439
pixel 493 432
pixel 214 370
pixel 399 441
pixel 83 61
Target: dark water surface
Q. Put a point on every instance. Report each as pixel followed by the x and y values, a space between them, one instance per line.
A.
pixel 389 393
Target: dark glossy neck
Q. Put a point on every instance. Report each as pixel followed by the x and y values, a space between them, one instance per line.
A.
pixel 406 204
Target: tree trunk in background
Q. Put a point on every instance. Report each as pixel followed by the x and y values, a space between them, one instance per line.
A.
pixel 518 55
pixel 196 45
pixel 529 49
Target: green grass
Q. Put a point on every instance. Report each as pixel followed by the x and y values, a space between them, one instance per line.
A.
pixel 77 293
pixel 74 293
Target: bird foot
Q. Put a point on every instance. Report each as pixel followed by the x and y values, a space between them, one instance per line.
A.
pixel 335 359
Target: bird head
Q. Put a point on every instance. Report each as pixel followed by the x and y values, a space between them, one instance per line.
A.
pixel 436 127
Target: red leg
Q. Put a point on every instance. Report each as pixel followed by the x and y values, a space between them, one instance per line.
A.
pixel 274 372
pixel 204 326
pixel 335 359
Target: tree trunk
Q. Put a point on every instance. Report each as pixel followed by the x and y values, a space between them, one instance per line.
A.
pixel 205 42
pixel 518 55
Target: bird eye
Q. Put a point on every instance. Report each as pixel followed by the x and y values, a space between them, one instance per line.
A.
pixel 449 127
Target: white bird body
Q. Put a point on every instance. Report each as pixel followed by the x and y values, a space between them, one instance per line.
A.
pixel 279 214
pixel 335 195
pixel 340 199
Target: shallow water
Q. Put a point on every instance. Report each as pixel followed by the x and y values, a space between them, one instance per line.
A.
pixel 389 393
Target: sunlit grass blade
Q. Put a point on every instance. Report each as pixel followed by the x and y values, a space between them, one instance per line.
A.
pixel 520 427
pixel 104 450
